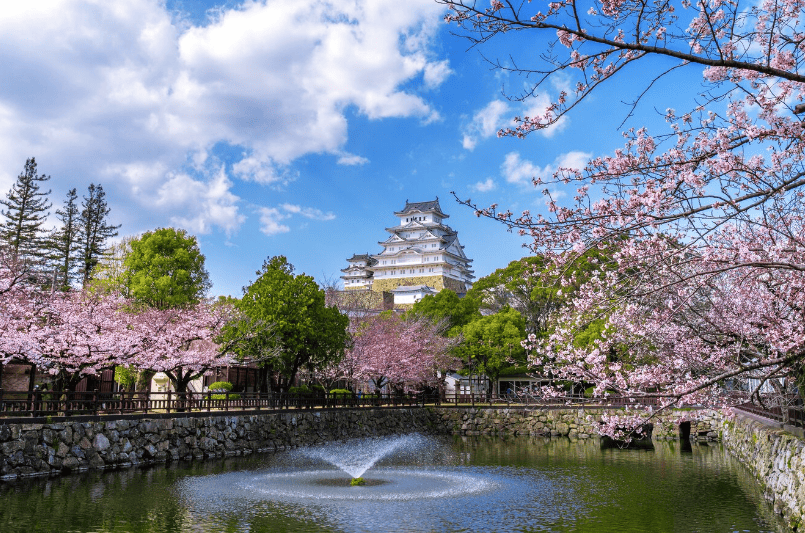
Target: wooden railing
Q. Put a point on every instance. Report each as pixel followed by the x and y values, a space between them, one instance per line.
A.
pixel 46 403
pixel 792 415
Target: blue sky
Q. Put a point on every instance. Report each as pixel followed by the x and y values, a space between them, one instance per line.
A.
pixel 284 128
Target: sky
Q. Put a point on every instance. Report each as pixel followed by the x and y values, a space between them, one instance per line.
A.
pixel 285 128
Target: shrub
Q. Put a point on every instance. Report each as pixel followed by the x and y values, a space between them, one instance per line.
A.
pixel 222 386
pixel 339 393
pixel 299 391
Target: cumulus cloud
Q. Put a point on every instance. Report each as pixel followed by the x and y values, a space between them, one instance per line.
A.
pixel 211 203
pixel 484 186
pixel 126 94
pixel 270 221
pixel 517 170
pixel 486 122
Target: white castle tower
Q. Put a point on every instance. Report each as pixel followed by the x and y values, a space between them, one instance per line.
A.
pixel 421 256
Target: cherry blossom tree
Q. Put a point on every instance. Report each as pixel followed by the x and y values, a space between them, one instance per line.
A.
pixel 707 216
pixel 181 342
pixel 19 304
pixel 403 354
pixel 75 333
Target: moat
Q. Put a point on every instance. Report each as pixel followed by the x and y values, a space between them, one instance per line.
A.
pixel 424 484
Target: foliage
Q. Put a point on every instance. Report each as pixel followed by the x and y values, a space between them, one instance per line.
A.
pixel 491 344
pixel 341 393
pixel 76 333
pixel 64 241
pixel 94 231
pixel 224 387
pixel 304 333
pixel 126 377
pixel 390 350
pixel 448 307
pixel 25 213
pixel 705 220
pixel 220 386
pixel 165 269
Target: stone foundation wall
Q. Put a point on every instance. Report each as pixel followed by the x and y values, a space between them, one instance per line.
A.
pixel 62 447
pixel 573 423
pixel 777 460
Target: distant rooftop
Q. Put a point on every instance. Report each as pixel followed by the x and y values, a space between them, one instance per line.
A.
pixel 422 207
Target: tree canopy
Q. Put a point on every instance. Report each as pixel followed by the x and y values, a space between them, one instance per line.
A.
pixel 446 306
pixel 292 322
pixel 492 343
pixel 26 209
pixel 165 268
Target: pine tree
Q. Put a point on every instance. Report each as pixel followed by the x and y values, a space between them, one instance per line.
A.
pixel 64 241
pixel 26 211
pixel 93 231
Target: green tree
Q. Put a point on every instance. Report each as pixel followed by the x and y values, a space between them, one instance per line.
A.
pixel 446 305
pixel 165 269
pixel 292 327
pixel 491 343
pixel 523 286
pixel 94 231
pixel 64 241
pixel 26 211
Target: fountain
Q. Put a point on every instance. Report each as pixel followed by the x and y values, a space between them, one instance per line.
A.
pixel 392 469
pixel 411 484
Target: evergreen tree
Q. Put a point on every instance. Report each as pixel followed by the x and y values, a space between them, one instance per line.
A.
pixel 26 211
pixel 93 230
pixel 64 241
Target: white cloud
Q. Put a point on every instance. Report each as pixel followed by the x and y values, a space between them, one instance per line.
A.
pixel 536 107
pixel 521 171
pixel 208 203
pixel 351 159
pixel 308 212
pixel 436 73
pixel 486 122
pixel 123 90
pixel 484 186
pixel 270 218
pixel 498 115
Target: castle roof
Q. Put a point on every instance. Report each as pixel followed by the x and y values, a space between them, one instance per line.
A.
pixel 360 257
pixel 422 207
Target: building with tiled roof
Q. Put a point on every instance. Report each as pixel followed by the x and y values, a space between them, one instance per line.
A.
pixel 421 250
pixel 357 275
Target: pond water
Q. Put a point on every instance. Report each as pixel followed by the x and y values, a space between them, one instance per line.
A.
pixel 421 484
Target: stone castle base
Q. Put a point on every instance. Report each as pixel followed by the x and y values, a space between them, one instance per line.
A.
pixel 437 282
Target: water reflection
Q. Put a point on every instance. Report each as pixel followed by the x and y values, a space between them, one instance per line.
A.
pixel 462 484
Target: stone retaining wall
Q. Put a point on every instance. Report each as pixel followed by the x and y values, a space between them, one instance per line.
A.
pixel 575 423
pixel 54 448
pixel 775 457
pixel 777 460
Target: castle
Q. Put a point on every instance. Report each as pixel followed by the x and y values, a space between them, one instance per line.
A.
pixel 421 256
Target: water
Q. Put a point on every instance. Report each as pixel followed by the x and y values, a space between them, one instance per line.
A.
pixel 413 484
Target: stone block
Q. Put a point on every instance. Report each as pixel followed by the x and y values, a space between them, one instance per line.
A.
pixel 100 443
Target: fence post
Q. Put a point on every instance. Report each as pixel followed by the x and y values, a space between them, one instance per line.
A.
pixel 226 400
pixel 2 405
pixel 95 401
pixel 168 401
